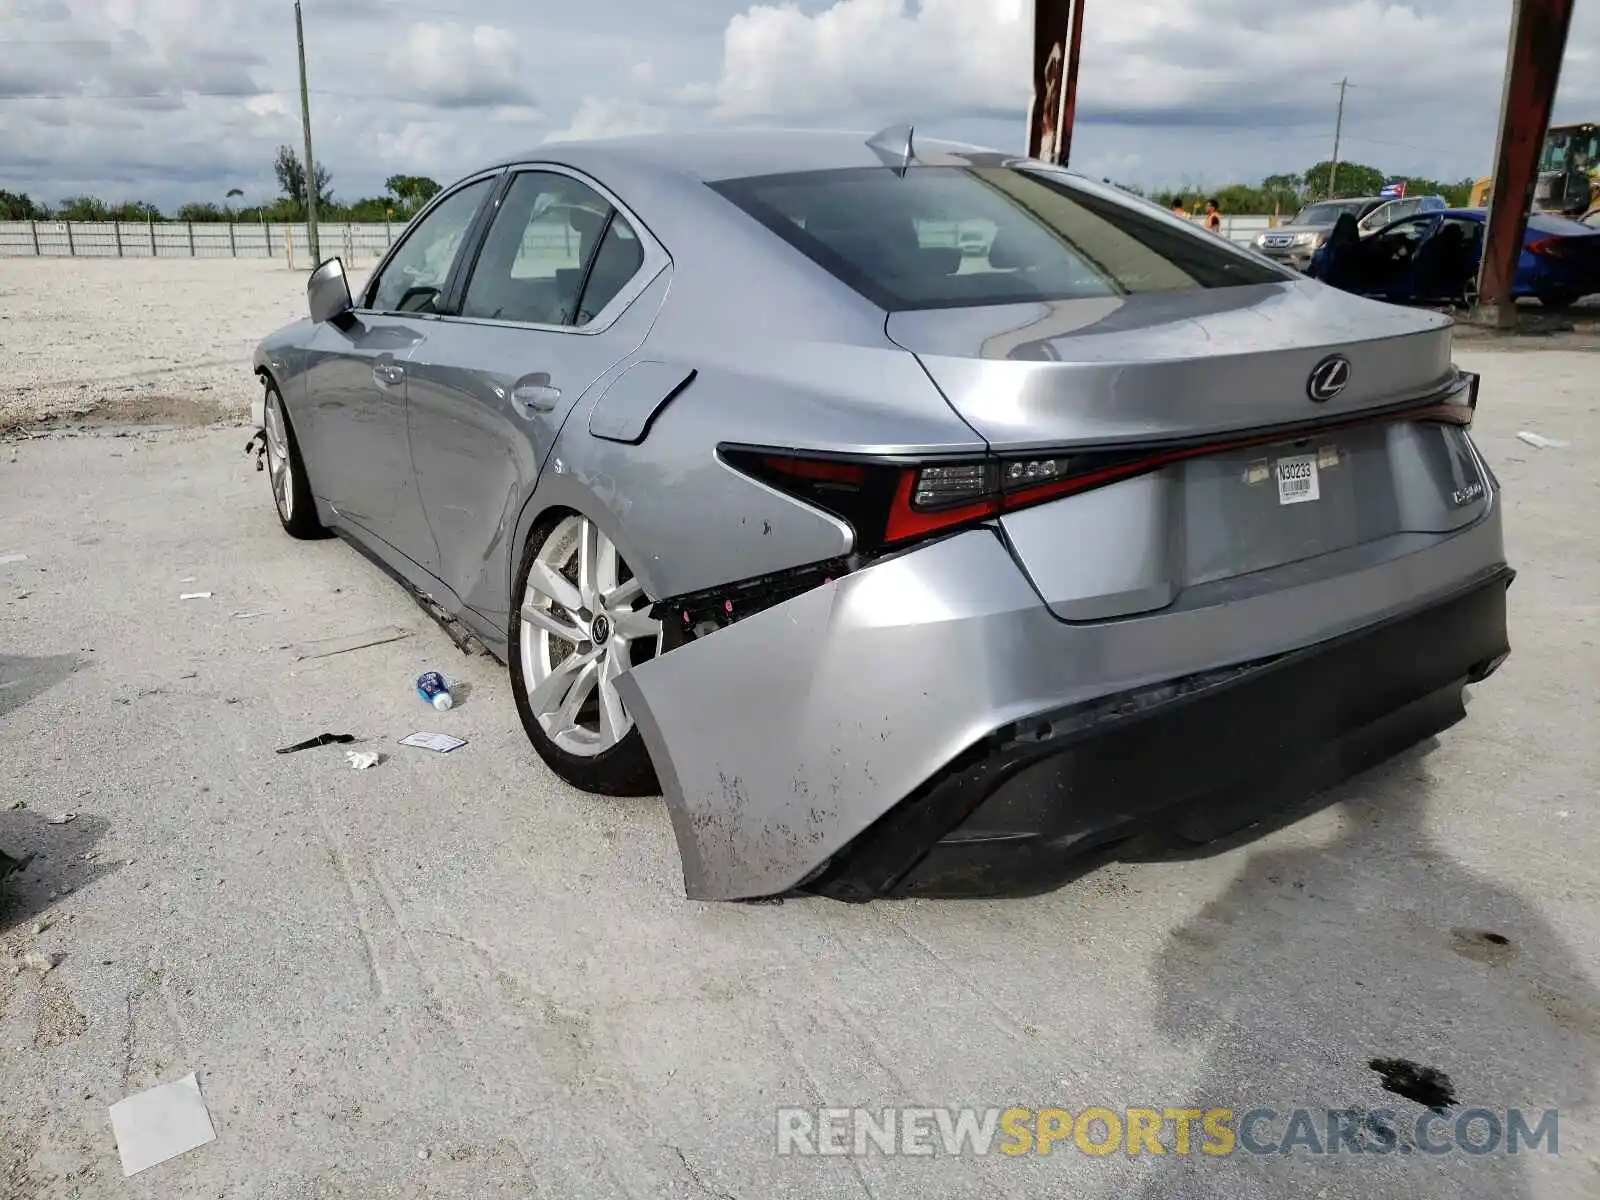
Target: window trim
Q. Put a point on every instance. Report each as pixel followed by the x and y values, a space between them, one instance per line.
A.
pixel 470 238
pixel 656 257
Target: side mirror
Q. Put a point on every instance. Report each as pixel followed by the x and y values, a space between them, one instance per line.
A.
pixel 328 292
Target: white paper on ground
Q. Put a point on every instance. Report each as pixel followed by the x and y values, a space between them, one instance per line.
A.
pixel 195 596
pixel 12 558
pixel 162 1123
pixel 443 743
pixel 1542 442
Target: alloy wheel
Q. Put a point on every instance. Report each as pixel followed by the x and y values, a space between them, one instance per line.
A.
pixel 585 621
pixel 279 469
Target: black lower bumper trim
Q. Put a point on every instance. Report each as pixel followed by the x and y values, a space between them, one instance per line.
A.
pixel 1011 816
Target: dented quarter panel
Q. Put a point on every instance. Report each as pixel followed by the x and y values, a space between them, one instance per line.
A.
pixel 722 525
pixel 782 737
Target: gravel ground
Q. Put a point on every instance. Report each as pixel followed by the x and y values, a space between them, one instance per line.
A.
pixel 456 977
pixel 178 350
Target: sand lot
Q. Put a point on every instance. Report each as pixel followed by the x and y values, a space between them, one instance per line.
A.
pixel 155 338
pixel 456 977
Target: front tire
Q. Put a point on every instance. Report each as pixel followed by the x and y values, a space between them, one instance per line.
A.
pixel 286 470
pixel 581 620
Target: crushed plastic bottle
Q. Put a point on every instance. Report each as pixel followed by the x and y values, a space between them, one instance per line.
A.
pixel 433 689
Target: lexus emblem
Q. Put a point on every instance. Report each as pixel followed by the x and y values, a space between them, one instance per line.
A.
pixel 1328 378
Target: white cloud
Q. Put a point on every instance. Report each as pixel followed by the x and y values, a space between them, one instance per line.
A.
pixel 1221 88
pixel 455 67
pixel 611 116
pixel 177 100
pixel 964 55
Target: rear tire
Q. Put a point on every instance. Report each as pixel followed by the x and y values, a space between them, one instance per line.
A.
pixel 1557 299
pixel 579 619
pixel 286 471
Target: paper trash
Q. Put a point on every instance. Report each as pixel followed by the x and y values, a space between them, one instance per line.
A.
pixel 162 1123
pixel 443 743
pixel 1542 442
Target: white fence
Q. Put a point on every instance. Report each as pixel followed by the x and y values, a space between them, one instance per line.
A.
pixel 184 239
pixel 356 243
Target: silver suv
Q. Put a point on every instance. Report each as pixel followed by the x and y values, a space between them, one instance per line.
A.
pixel 1295 243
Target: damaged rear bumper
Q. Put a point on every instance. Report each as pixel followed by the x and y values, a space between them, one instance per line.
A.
pixel 927 726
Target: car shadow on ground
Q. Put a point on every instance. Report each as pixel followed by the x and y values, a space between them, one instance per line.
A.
pixel 39 861
pixel 1315 961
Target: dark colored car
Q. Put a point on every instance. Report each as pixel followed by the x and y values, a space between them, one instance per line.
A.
pixel 1434 257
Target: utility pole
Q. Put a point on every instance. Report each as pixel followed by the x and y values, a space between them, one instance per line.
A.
pixel 305 121
pixel 1333 167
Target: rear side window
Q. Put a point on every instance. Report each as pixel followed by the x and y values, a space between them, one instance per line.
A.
pixel 942 237
pixel 551 255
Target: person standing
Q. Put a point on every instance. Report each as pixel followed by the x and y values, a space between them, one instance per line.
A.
pixel 1213 216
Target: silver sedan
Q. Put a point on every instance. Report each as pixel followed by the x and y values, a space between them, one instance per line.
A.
pixel 901 561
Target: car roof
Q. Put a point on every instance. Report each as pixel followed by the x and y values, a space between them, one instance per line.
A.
pixel 711 156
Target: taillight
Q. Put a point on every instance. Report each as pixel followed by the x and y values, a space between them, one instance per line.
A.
pixel 890 501
pixel 1546 247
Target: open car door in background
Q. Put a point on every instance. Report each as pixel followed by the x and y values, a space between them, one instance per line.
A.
pixel 1385 262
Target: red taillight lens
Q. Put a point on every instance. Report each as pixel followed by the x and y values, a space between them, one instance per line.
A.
pixel 889 502
pixel 817 470
pixel 1546 247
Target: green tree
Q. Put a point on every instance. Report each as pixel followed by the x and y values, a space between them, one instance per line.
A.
pixel 1350 179
pixel 83 208
pixel 134 210
pixel 1281 193
pixel 413 191
pixel 19 206
pixel 369 208
pixel 1456 195
pixel 291 175
pixel 201 212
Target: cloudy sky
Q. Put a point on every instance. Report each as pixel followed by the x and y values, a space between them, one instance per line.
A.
pixel 174 100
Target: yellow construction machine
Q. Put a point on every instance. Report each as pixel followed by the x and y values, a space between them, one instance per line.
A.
pixel 1569 172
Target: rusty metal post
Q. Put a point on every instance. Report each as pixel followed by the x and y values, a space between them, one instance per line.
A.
pixel 1533 69
pixel 1052 20
pixel 1069 98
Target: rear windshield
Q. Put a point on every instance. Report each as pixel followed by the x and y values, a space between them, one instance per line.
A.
pixel 942 237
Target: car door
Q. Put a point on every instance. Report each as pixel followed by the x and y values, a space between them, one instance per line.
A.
pixel 1387 261
pixel 359 453
pixel 560 291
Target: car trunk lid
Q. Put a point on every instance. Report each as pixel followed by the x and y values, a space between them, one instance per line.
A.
pixel 1168 365
pixel 1250 475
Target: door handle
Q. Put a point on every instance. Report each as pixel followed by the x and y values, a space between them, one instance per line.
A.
pixel 534 397
pixel 388 375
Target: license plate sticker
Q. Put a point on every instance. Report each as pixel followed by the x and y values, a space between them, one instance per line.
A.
pixel 1297 478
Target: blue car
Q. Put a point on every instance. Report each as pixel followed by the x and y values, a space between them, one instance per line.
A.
pixel 1433 258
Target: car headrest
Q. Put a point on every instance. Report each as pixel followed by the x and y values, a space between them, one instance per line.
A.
pixel 1005 255
pixel 586 223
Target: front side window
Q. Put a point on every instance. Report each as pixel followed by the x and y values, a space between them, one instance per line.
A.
pixel 899 240
pixel 1404 238
pixel 413 281
pixel 548 242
